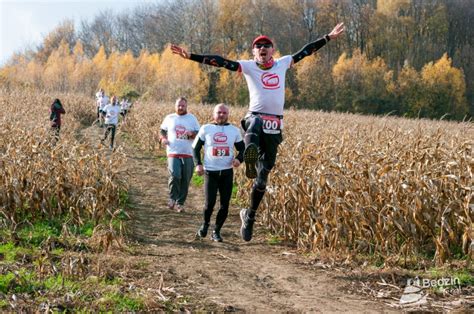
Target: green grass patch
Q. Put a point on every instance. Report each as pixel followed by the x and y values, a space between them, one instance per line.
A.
pixel 235 200
pixel 22 281
pixel 235 189
pixel 36 233
pixel 119 302
pixel 124 198
pixel 274 239
pixel 162 158
pixel 10 251
pixel 5 281
pixel 465 277
pixel 58 283
pixel 87 229
pixel 197 180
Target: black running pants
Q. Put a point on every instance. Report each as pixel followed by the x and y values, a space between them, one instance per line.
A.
pixel 218 181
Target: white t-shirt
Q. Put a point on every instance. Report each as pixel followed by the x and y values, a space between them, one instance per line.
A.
pixel 177 126
pixel 104 101
pixel 125 105
pixel 111 114
pixel 219 143
pixel 266 87
pixel 98 95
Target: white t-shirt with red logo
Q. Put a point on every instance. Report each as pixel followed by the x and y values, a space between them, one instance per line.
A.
pixel 266 87
pixel 111 113
pixel 177 127
pixel 219 143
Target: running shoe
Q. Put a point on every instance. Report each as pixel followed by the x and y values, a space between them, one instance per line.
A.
pixel 246 229
pixel 202 232
pixel 171 204
pixel 250 158
pixel 179 208
pixel 216 236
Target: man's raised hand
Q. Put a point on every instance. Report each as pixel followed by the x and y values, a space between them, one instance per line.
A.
pixel 179 51
pixel 338 30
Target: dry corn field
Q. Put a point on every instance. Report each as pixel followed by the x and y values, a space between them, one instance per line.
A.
pixel 393 188
pixel 40 180
pixel 390 187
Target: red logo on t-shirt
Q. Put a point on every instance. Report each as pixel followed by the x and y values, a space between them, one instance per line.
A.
pixel 180 132
pixel 220 137
pixel 270 80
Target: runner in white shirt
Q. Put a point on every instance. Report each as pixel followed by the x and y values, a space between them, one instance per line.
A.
pixel 98 101
pixel 124 107
pixel 218 139
pixel 111 113
pixel 265 78
pixel 177 132
pixel 99 94
pixel 104 101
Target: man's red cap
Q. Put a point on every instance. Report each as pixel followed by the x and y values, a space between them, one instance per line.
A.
pixel 262 38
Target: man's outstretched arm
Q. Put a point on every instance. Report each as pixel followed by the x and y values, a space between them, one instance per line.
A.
pixel 213 60
pixel 314 46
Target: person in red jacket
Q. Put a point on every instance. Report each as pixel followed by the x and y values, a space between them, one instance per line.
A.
pixel 56 111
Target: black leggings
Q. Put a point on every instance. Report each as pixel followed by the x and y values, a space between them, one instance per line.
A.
pixel 110 128
pixel 221 181
pixel 267 147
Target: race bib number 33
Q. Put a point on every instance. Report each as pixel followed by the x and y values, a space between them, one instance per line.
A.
pixel 271 124
pixel 220 151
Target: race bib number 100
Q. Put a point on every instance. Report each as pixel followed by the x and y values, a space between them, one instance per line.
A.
pixel 271 124
pixel 220 151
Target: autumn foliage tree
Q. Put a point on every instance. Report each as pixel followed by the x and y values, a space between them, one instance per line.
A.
pixel 231 86
pixel 59 68
pixel 408 91
pixel 361 85
pixel 175 78
pixel 315 84
pixel 444 90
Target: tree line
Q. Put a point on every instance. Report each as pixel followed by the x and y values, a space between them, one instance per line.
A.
pixel 404 57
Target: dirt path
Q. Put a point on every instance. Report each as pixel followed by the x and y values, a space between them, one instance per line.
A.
pixel 228 276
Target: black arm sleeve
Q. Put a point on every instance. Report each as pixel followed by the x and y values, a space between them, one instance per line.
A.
pixel 240 146
pixel 197 152
pixel 216 61
pixel 310 48
pixel 163 133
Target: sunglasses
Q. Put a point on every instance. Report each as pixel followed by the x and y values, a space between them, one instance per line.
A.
pixel 258 46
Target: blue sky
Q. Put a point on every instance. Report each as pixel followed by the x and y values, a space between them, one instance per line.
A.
pixel 24 23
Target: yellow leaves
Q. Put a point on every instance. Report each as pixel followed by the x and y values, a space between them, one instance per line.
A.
pixel 100 58
pixel 392 7
pixel 340 66
pixel 178 77
pixel 442 74
pixel 78 51
pixel 231 85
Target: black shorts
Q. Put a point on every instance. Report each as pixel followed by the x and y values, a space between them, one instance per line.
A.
pixel 267 143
